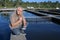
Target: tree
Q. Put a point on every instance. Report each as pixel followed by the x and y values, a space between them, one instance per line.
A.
pixel 18 2
pixel 57 3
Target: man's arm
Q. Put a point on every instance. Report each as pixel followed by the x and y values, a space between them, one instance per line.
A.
pixel 17 22
pixel 13 24
pixel 24 21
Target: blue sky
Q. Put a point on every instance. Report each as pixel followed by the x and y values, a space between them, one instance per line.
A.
pixel 40 0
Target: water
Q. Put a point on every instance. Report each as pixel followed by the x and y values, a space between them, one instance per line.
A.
pixel 41 30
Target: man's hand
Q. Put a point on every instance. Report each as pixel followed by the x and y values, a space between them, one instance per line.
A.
pixel 19 21
pixel 25 25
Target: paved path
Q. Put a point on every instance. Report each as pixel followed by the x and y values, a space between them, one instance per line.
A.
pixel 18 37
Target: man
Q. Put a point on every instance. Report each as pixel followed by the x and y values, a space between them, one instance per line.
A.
pixel 16 21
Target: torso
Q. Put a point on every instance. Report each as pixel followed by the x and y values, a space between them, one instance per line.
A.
pixel 15 17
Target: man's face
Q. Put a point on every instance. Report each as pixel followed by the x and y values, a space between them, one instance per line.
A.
pixel 19 10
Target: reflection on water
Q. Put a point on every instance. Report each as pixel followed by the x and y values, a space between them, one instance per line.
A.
pixel 4 18
pixel 38 30
pixel 29 17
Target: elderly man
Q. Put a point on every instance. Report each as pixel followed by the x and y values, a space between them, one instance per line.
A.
pixel 16 21
pixel 18 25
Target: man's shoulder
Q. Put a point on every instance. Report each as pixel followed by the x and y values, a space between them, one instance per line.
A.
pixel 13 14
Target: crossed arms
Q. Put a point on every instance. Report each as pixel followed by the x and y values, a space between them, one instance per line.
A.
pixel 13 24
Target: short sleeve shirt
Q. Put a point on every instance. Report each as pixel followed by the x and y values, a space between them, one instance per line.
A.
pixel 14 17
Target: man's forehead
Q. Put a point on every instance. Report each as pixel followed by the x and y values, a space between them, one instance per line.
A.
pixel 19 8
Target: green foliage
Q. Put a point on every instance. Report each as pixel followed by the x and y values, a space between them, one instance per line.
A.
pixel 11 3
